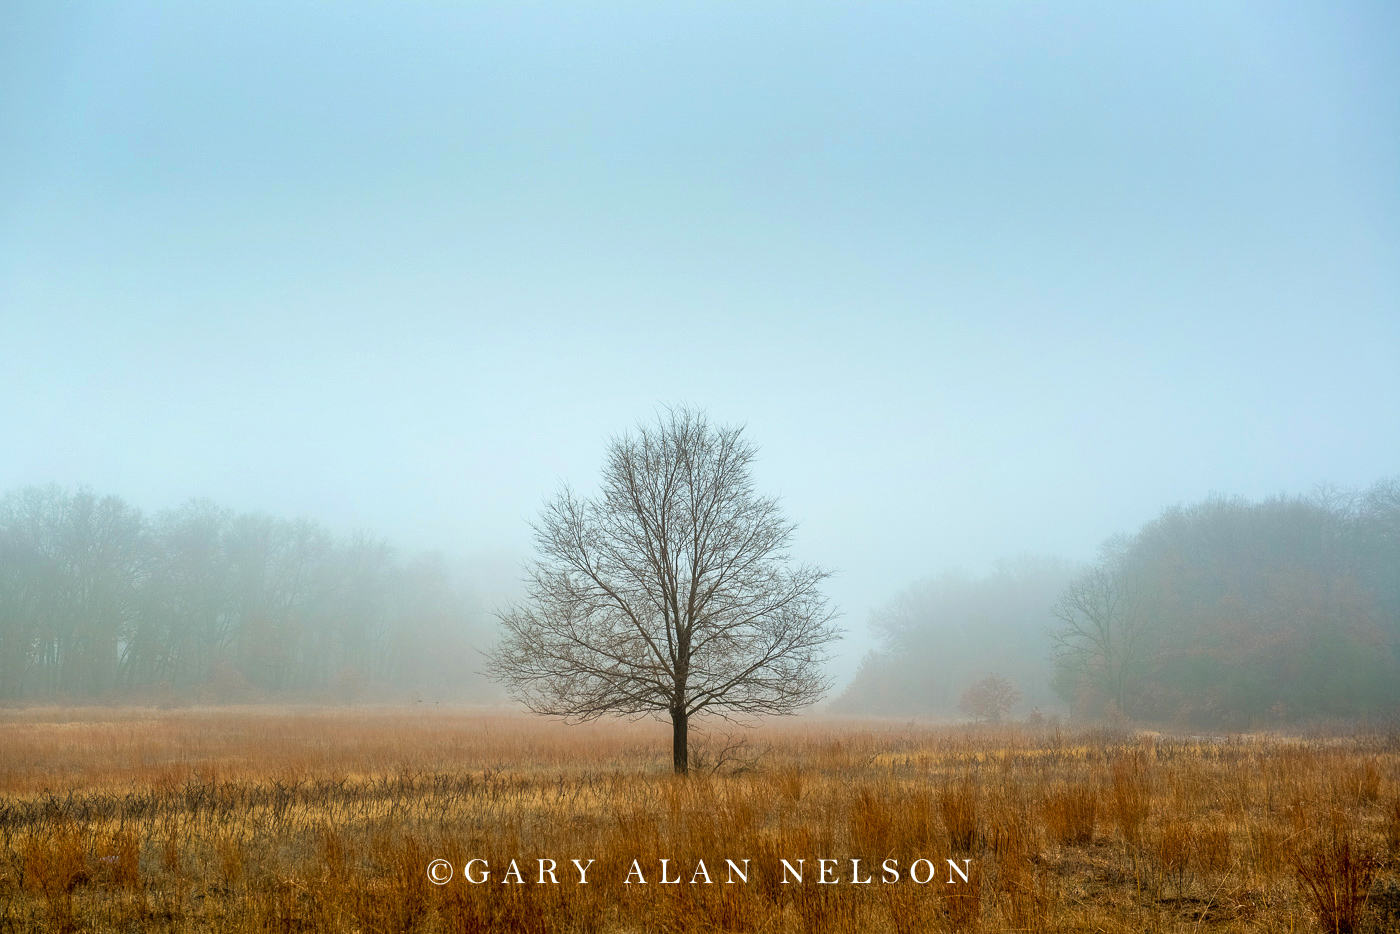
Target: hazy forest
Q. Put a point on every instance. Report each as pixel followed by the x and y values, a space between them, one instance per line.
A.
pixel 1225 613
pixel 99 602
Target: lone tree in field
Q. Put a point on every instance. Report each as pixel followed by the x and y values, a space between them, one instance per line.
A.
pixel 670 592
pixel 990 699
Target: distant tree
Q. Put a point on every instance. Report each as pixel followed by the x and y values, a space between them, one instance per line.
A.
pixel 990 699
pixel 1376 543
pixel 186 621
pixel 1101 641
pixel 76 564
pixel 670 593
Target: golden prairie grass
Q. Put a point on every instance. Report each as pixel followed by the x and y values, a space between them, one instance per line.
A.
pixel 259 819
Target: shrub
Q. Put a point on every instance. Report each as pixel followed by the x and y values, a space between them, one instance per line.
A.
pixel 990 699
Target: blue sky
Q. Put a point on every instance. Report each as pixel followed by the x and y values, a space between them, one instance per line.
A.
pixel 981 279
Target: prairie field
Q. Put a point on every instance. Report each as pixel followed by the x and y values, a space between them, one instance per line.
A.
pixel 284 819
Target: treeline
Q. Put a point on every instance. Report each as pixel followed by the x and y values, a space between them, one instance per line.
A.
pixel 1234 613
pixel 1228 613
pixel 98 601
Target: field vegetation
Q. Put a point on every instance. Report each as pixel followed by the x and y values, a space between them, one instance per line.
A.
pixel 262 819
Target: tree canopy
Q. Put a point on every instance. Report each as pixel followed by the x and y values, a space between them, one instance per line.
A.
pixel 670 592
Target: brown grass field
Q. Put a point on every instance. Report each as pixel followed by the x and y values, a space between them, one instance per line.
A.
pixel 270 819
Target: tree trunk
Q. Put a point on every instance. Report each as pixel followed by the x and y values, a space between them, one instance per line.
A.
pixel 680 753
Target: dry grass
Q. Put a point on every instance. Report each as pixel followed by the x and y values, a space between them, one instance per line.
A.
pixel 294 821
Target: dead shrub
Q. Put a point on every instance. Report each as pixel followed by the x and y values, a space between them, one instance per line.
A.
pixel 57 863
pixel 54 867
pixel 1335 871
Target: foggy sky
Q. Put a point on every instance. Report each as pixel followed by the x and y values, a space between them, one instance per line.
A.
pixel 982 281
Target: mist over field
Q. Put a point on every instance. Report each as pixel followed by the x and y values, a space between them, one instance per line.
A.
pixel 774 468
pixel 1069 338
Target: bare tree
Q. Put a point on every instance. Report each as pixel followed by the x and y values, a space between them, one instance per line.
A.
pixel 671 592
pixel 1102 638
